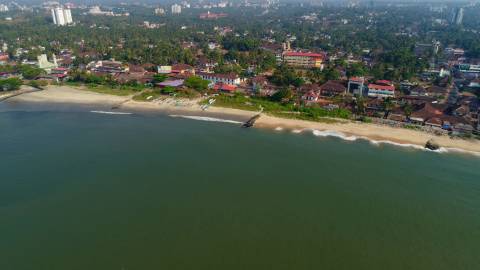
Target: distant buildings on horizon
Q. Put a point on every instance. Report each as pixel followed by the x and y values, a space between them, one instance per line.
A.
pixel 176 9
pixel 61 16
pixel 3 8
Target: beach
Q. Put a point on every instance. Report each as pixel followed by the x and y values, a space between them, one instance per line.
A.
pixel 345 129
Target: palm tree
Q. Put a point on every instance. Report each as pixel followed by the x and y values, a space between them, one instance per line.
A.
pixel 387 106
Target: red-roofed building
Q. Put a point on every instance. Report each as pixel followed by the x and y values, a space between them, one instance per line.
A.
pixel 384 82
pixel 304 60
pixel 383 91
pixel 59 73
pixel 223 87
pixel 4 57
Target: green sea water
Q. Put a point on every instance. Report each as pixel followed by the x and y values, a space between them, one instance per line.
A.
pixel 80 190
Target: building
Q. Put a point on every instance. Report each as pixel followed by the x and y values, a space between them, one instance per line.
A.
pixel 61 16
pixel 4 57
pixel 44 64
pixel 95 10
pixel 211 15
pixel 226 88
pixel 382 89
pixel 108 67
pixel 332 88
pixel 60 73
pixel 3 8
pixel 176 9
pixel 303 60
pixel 159 11
pixel 183 69
pixel 171 83
pixel 231 78
pixel 356 86
pixel 164 69
pixel 457 16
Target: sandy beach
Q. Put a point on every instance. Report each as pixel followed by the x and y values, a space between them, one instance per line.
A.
pixel 347 130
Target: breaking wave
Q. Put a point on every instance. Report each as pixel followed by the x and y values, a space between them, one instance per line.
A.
pixel 208 119
pixel 107 112
pixel 340 135
pixel 331 133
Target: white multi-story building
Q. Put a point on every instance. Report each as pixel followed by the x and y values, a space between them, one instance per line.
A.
pixel 67 15
pixel 176 9
pixel 459 17
pixel 159 11
pixel 230 78
pixel 3 8
pixel 62 16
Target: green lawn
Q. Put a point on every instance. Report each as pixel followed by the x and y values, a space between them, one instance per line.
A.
pixel 117 91
pixel 281 110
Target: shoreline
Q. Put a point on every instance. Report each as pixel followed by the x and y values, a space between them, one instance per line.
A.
pixel 351 131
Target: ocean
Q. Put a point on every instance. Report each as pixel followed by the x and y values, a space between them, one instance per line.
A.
pixel 93 190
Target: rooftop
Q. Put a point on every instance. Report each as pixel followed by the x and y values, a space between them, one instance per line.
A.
pixel 303 54
pixel 381 87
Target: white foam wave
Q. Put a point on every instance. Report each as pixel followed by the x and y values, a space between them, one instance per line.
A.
pixel 107 112
pixel 451 149
pixel 336 134
pixel 278 128
pixel 331 133
pixel 208 119
pixel 297 131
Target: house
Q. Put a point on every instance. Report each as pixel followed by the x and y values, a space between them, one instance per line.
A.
pixel 356 86
pixel 182 69
pixel 311 96
pixel 418 91
pixel 128 77
pixel 468 108
pixel 258 83
pixel 170 83
pixel 205 65
pixel 435 122
pixel 436 91
pixel 136 69
pixel 164 69
pixel 230 78
pixel 211 15
pixel 4 57
pixel 426 112
pixel 303 60
pixel 308 91
pixel 375 107
pixel 382 89
pixel 60 73
pixel 108 67
pixel 433 116
pixel 474 83
pixel 417 100
pixel 332 88
pixel 44 64
pixel 223 87
pixel 397 114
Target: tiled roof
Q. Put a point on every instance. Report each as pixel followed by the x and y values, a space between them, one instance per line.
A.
pixel 381 87
pixel 303 54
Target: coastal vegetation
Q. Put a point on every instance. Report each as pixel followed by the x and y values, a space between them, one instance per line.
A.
pixel 285 110
pixel 10 84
